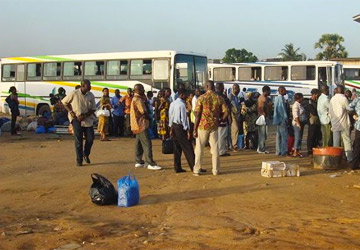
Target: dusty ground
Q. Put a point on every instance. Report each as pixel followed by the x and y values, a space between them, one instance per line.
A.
pixel 44 202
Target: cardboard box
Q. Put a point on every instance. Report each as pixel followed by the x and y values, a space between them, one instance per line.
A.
pixel 275 169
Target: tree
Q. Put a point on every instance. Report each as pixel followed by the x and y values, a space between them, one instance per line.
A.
pixel 289 53
pixel 331 45
pixel 239 55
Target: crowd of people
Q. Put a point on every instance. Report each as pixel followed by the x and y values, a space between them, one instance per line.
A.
pixel 226 122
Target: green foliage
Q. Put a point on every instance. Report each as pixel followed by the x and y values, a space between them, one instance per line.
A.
pixel 289 53
pixel 239 55
pixel 331 46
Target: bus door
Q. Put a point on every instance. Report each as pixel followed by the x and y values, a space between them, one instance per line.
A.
pixel 21 87
pixel 330 80
pixel 161 73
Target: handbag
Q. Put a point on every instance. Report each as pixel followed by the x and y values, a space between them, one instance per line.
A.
pixel 102 112
pixel 261 121
pixel 167 147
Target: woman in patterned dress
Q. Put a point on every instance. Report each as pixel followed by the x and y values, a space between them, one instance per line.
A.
pixel 103 126
pixel 164 115
pixel 249 111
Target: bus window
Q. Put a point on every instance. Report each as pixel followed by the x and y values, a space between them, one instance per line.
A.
pixel 200 69
pixel 161 70
pixel 94 70
pixel 322 76
pixel 276 73
pixel 303 73
pixel 34 71
pixel 224 74
pixel 8 73
pixel 52 71
pixel 141 69
pixel 249 73
pixel 72 70
pixel 20 72
pixel 352 74
pixel 184 72
pixel 117 69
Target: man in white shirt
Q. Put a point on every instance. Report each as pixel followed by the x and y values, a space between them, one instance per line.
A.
pixel 180 132
pixel 323 112
pixel 340 121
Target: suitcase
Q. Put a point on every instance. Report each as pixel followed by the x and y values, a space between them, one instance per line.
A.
pixel 167 147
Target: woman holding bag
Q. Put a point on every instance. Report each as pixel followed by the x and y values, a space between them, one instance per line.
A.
pixel 299 120
pixel 105 104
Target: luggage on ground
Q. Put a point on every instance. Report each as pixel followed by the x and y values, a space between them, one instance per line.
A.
pixel 167 146
pixel 102 192
pixel 128 191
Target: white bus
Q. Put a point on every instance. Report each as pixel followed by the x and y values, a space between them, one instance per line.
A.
pixel 38 76
pixel 352 77
pixel 295 76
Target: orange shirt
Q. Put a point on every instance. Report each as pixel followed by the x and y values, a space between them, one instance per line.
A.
pixel 138 122
pixel 126 99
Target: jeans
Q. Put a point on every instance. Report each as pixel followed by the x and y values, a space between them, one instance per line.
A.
pixel 298 132
pixel 143 146
pixel 282 139
pixel 79 132
pixel 262 132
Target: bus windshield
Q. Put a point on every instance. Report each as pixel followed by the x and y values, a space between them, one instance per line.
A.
pixel 190 71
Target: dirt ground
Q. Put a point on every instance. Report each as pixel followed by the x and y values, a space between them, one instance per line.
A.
pixel 44 201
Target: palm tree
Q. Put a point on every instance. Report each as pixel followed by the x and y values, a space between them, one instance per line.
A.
pixel 289 53
pixel 331 47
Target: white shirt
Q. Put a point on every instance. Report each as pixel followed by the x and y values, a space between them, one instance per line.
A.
pixel 193 103
pixel 338 114
pixel 178 115
pixel 297 111
pixel 323 109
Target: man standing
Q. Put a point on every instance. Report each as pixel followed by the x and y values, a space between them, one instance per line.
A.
pixel 209 106
pixel 80 105
pixel 340 121
pixel 126 101
pixel 323 112
pixel 281 119
pixel 180 132
pixel 118 114
pixel 314 130
pixel 264 107
pixel 139 126
pixel 235 115
pixel 354 108
pixel 223 125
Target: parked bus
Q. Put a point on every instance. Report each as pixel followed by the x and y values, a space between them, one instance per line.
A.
pixel 352 77
pixel 38 76
pixel 295 76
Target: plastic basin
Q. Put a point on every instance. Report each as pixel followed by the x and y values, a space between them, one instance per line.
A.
pixel 328 158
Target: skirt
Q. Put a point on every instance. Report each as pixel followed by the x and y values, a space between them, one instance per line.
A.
pixel 103 125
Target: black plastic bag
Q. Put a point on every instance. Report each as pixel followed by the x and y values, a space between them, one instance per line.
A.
pixel 168 146
pixel 102 192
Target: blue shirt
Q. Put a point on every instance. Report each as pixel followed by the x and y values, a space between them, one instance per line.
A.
pixel 118 110
pixel 177 114
pixel 355 106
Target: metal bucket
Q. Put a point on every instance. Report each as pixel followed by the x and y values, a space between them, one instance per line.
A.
pixel 328 158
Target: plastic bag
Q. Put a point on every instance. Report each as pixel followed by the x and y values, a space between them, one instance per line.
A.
pixel 102 192
pixel 261 121
pixel 102 112
pixel 128 190
pixel 40 130
pixel 32 126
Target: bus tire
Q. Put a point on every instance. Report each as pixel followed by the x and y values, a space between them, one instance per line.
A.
pixel 43 109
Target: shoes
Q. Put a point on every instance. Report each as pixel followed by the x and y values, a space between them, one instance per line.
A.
pixel 180 171
pixel 139 165
pixel 79 164
pixel 87 159
pixel 262 152
pixel 196 174
pixel 203 170
pixel 226 154
pixel 215 173
pixel 154 167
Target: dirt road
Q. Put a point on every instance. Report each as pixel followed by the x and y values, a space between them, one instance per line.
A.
pixel 44 202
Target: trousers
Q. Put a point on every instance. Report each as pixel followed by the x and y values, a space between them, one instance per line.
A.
pixel 282 139
pixel 182 144
pixel 143 146
pixel 79 133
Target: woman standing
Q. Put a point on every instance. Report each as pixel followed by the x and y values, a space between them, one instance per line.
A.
pixel 249 111
pixel 164 115
pixel 299 120
pixel 103 126
pixel 13 102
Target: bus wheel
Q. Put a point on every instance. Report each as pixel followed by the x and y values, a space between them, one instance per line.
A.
pixel 43 109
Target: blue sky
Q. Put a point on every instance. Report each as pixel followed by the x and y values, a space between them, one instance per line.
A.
pixel 43 27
